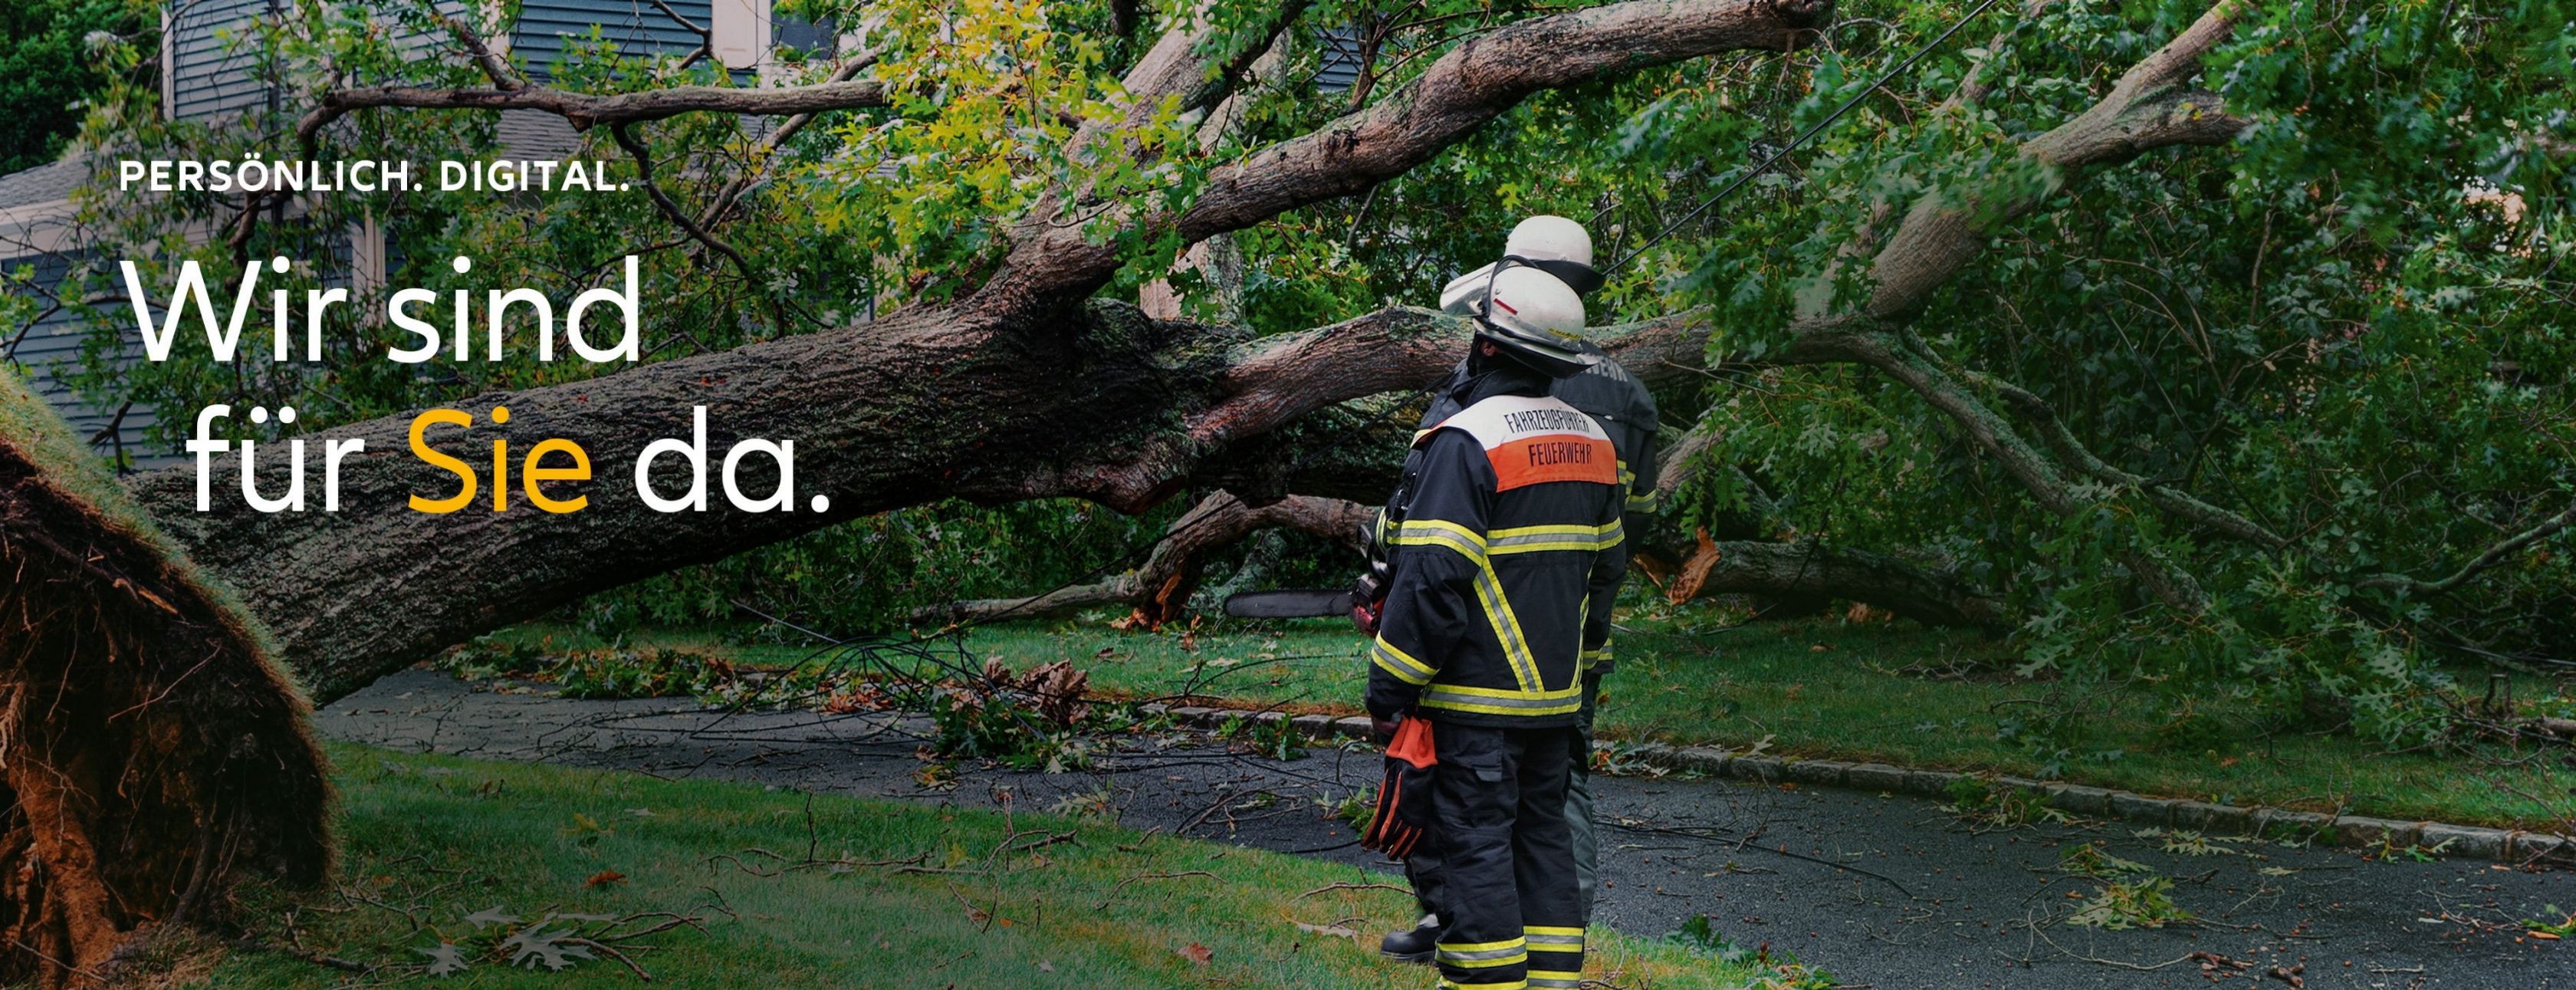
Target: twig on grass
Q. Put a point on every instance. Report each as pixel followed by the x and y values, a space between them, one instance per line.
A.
pixel 613 954
pixel 1354 886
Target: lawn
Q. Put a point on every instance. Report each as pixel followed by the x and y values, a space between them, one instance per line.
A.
pixel 752 887
pixel 1827 687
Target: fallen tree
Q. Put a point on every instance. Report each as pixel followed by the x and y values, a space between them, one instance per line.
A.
pixel 1026 388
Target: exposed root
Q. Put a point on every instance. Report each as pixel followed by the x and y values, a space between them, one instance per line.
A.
pixel 148 751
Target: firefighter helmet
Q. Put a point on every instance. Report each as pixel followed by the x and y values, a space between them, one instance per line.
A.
pixel 1536 319
pixel 1551 244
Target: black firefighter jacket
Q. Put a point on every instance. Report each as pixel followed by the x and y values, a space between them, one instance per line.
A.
pixel 1504 567
pixel 1616 401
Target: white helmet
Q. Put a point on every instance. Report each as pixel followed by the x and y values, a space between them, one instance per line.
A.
pixel 1537 319
pixel 1552 244
pixel 1550 238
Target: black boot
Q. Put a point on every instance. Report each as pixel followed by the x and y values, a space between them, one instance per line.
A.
pixel 1413 945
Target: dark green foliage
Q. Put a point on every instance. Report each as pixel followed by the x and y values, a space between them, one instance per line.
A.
pixel 49 65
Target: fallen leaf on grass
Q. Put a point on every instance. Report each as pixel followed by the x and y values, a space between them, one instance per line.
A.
pixel 1336 931
pixel 493 915
pixel 604 878
pixel 1199 954
pixel 533 948
pixel 445 959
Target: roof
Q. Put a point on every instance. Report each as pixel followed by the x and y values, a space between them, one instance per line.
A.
pixel 535 134
pixel 44 183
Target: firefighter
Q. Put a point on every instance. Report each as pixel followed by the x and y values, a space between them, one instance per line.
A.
pixel 1620 404
pixel 1504 563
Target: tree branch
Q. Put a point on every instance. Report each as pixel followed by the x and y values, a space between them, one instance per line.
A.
pixel 1474 83
pixel 2489 558
pixel 2146 109
pixel 721 206
pixel 644 174
pixel 494 67
pixel 2173 501
pixel 1160 588
pixel 2038 475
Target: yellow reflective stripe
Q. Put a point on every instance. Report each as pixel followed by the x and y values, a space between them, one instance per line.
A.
pixel 1440 532
pixel 1507 628
pixel 1531 539
pixel 1500 535
pixel 1483 955
pixel 1644 503
pixel 1494 701
pixel 1516 958
pixel 1444 984
pixel 1505 694
pixel 1551 979
pixel 1489 591
pixel 1552 933
pixel 1399 663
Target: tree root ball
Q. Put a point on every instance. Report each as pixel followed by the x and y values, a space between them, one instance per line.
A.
pixel 150 750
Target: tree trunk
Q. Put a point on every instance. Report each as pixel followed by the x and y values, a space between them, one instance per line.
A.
pixel 1808 571
pixel 1094 402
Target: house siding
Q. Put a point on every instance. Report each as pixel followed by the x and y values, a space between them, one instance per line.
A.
pixel 49 354
pixel 547 28
pixel 215 72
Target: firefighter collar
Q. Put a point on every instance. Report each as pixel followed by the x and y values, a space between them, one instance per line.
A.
pixel 1534 439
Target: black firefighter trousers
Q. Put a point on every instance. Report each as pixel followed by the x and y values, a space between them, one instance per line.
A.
pixel 1505 854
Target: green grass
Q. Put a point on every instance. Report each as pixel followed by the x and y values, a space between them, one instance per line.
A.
pixel 901 896
pixel 1890 692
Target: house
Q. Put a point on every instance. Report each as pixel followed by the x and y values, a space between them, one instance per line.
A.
pixel 212 77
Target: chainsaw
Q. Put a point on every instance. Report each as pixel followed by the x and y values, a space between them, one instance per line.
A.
pixel 1360 603
pixel 1289 603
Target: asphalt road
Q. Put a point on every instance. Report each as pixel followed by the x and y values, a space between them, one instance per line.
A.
pixel 1883 891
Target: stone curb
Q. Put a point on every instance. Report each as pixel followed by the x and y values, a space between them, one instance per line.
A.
pixel 2349 831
